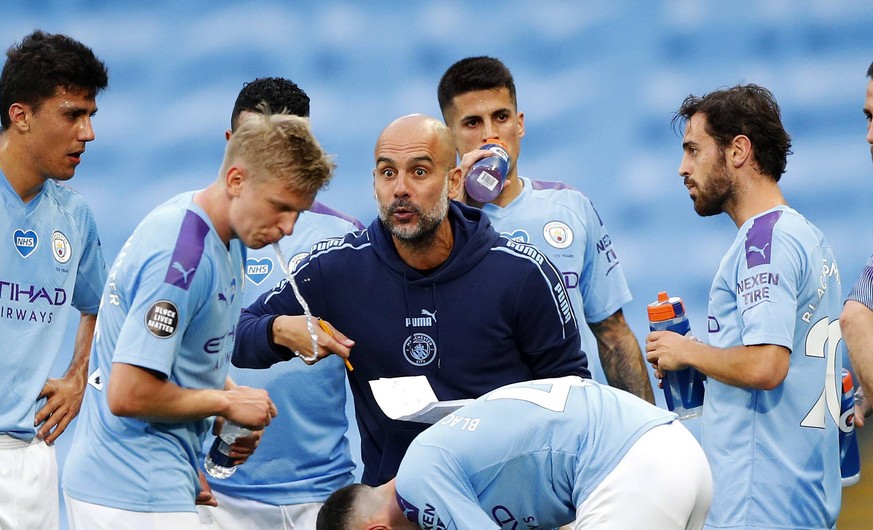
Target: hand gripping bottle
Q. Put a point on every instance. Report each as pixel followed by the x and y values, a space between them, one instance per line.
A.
pixel 218 462
pixel 484 181
pixel 850 459
pixel 683 389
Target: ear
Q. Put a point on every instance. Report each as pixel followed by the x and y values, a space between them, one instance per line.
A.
pixel 374 186
pixel 19 116
pixel 227 134
pixel 455 180
pixel 739 152
pixel 521 124
pixel 234 179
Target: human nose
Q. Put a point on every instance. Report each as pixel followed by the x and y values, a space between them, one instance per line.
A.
pixel 86 131
pixel 400 186
pixel 489 132
pixel 870 132
pixel 684 167
pixel 286 225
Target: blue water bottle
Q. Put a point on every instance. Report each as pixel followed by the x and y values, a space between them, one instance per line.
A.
pixel 486 177
pixel 683 389
pixel 850 458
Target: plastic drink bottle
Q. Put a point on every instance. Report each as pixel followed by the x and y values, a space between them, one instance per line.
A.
pixel 683 389
pixel 484 181
pixel 850 458
pixel 218 462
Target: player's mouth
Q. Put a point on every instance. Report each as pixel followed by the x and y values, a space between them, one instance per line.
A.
pixel 76 156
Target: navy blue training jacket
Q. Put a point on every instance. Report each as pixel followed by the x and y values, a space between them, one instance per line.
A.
pixel 496 312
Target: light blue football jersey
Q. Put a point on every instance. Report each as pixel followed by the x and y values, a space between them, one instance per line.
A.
pixel 311 399
pixel 863 290
pixel 52 261
pixel 774 453
pixel 523 456
pixel 171 304
pixel 563 224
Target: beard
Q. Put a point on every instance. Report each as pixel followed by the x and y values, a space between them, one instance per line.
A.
pixel 718 191
pixel 420 234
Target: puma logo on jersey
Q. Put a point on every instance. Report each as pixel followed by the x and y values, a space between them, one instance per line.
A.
pixel 178 266
pixel 425 312
pixel 753 248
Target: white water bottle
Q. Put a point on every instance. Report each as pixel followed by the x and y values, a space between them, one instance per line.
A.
pixel 218 462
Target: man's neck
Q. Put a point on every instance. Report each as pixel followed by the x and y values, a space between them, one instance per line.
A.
pixel 429 255
pixel 23 180
pixel 213 202
pixel 755 196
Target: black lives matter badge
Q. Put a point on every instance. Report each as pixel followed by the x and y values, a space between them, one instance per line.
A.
pixel 162 319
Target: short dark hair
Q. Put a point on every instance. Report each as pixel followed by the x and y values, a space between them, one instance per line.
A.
pixel 474 73
pixel 750 110
pixel 870 71
pixel 281 95
pixel 41 63
pixel 336 512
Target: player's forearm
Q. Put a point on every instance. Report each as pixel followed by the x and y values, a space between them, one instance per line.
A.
pixel 140 393
pixel 253 347
pixel 78 368
pixel 762 366
pixel 856 323
pixel 621 358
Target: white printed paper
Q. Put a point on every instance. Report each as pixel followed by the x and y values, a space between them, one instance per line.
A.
pixel 412 399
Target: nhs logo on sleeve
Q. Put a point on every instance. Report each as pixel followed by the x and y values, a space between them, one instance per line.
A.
pixel 25 241
pixel 257 270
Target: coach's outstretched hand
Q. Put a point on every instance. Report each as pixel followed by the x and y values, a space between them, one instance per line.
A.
pixel 293 333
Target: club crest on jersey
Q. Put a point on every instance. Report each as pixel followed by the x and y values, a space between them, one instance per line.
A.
pixel 162 319
pixel 295 260
pixel 558 234
pixel 25 241
pixel 519 235
pixel 257 270
pixel 61 247
pixel 419 349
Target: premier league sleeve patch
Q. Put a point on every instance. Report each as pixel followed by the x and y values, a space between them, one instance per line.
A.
pixel 162 319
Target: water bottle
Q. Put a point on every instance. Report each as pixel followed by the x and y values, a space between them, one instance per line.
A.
pixel 218 462
pixel 485 179
pixel 850 458
pixel 683 389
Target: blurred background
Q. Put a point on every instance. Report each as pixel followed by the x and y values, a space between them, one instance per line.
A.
pixel 598 82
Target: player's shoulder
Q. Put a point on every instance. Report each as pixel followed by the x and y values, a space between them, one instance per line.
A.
pixel 67 198
pixel 339 222
pixel 554 196
pixel 555 190
pixel 339 247
pixel 519 253
pixel 783 226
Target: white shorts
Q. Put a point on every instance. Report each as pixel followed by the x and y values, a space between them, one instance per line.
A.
pixel 662 483
pixel 234 513
pixel 86 516
pixel 28 484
